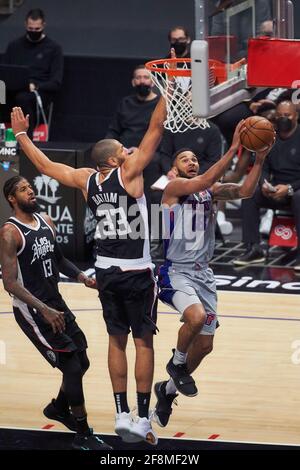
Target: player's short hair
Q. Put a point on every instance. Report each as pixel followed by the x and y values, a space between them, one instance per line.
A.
pixel 10 186
pixel 178 152
pixel 103 150
pixel 36 14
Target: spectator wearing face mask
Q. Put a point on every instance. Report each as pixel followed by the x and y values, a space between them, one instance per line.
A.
pixel 282 170
pixel 131 121
pixel 44 59
pixel 180 39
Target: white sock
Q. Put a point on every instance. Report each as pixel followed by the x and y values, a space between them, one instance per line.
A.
pixel 179 357
pixel 170 387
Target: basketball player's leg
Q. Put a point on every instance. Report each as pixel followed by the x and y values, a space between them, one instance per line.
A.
pixel 117 366
pixel 141 311
pixel 194 317
pixel 144 363
pixel 166 391
pixel 70 365
pixel 201 346
pixel 118 330
pixel 59 407
pixel 187 302
pixel 204 286
pixel 144 369
pixel 67 360
pixel 111 297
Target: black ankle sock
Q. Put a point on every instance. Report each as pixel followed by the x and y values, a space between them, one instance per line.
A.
pixel 121 402
pixel 143 401
pixel 82 424
pixel 61 402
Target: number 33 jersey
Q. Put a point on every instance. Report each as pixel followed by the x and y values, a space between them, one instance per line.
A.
pixel 122 233
pixel 37 270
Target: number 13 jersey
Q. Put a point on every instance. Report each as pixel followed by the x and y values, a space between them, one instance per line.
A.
pixel 37 264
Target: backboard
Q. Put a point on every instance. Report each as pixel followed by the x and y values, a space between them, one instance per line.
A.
pixel 223 28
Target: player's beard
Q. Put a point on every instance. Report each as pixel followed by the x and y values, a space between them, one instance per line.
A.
pixel 29 207
pixel 185 175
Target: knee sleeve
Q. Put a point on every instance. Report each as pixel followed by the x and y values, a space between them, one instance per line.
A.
pixel 84 361
pixel 72 379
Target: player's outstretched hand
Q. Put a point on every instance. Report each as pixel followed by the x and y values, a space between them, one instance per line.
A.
pixel 19 122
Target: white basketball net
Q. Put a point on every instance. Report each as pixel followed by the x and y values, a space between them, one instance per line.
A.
pixel 177 92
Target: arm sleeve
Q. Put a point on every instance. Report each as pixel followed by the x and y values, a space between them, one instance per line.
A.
pixel 64 265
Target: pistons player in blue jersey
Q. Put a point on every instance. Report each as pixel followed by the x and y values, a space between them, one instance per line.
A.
pixel 186 281
pixel 31 261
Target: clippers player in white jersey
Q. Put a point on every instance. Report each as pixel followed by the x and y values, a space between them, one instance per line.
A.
pixel 31 261
pixel 127 289
pixel 186 281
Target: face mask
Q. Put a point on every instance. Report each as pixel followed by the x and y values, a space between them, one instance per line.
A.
pixel 143 90
pixel 284 124
pixel 34 35
pixel 179 47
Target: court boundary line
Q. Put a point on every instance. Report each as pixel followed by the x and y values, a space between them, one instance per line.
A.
pixel 174 312
pixel 160 437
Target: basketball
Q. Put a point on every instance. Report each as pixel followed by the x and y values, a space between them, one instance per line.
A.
pixel 258 134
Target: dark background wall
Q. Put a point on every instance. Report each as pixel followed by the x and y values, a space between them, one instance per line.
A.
pixel 102 41
pixel 106 28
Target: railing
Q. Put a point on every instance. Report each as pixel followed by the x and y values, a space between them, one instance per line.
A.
pixel 7 7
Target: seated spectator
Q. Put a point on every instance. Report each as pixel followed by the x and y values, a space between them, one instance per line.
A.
pixel 243 165
pixel 131 122
pixel 44 59
pixel 282 170
pixel 180 39
pixel 205 143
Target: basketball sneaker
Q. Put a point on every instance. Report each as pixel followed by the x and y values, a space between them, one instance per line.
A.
pixel 89 441
pixel 123 427
pixel 163 407
pixel 142 429
pixel 67 419
pixel 183 381
pixel 254 254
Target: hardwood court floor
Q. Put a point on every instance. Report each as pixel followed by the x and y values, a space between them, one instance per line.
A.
pixel 249 386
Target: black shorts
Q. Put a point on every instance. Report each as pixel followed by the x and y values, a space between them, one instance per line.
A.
pixel 129 301
pixel 51 345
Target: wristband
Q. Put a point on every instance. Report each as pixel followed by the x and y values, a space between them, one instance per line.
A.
pixel 19 133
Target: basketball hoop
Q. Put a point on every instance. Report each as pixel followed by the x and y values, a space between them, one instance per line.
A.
pixel 173 79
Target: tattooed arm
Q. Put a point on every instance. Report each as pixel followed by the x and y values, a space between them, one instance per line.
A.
pixel 245 190
pixel 10 242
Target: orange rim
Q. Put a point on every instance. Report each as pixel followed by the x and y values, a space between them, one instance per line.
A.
pixel 159 66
